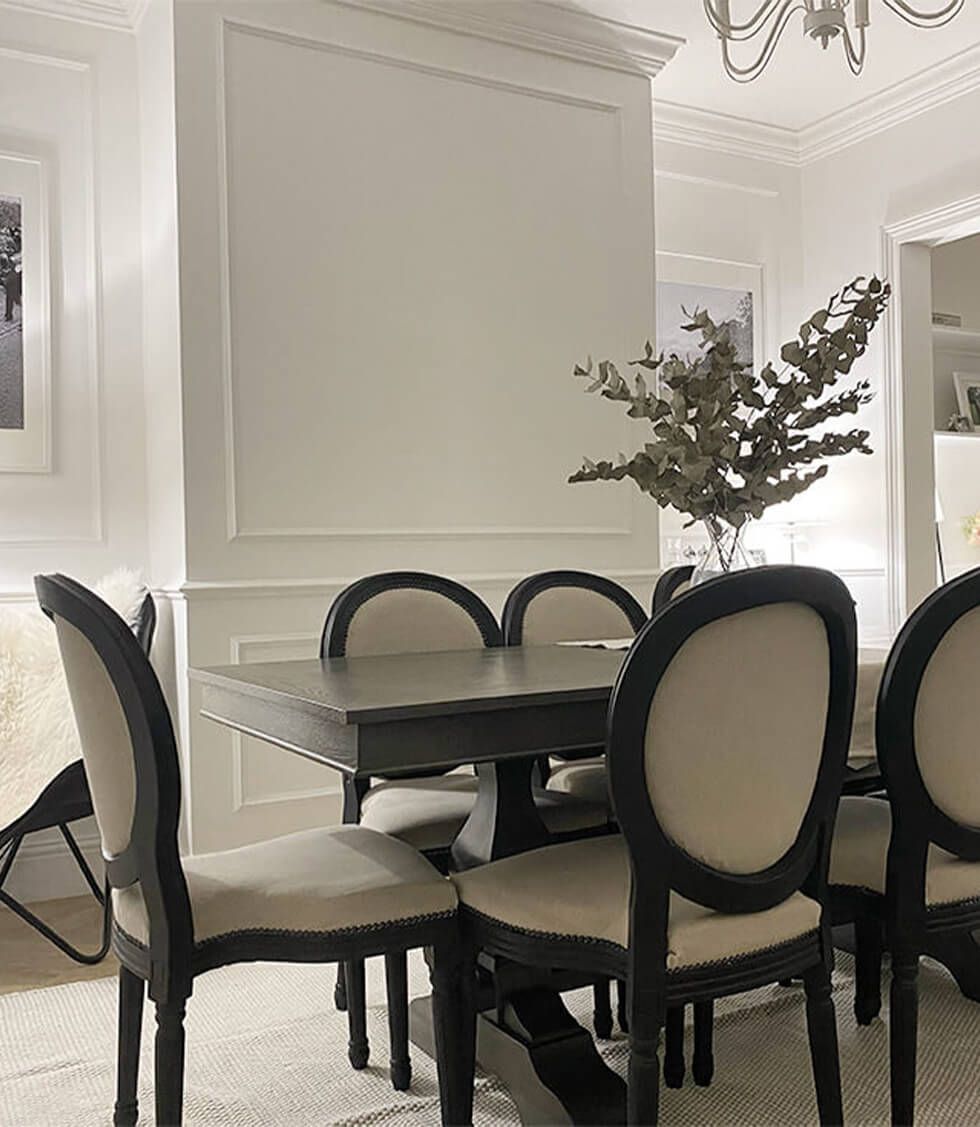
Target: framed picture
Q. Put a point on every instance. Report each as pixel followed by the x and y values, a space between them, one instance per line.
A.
pixel 967 386
pixel 25 366
pixel 729 291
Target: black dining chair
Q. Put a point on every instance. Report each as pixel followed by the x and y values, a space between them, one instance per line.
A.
pixel 907 870
pixel 575 606
pixel 350 893
pixel 66 799
pixel 413 612
pixel 718 883
pixel 672 582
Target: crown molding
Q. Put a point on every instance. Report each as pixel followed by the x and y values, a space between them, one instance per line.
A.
pixel 724 133
pixel 122 15
pixel 738 136
pixel 905 100
pixel 549 27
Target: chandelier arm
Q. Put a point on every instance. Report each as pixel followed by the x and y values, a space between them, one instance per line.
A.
pixel 753 70
pixel 739 32
pixel 939 18
pixel 855 59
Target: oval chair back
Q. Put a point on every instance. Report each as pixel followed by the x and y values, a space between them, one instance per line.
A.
pixel 406 612
pixel 927 742
pixel 672 582
pixel 728 733
pixel 569 606
pixel 403 612
pixel 131 762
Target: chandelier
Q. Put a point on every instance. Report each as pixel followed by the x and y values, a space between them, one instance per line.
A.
pixel 823 20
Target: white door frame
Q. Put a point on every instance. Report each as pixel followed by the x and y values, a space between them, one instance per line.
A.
pixel 903 487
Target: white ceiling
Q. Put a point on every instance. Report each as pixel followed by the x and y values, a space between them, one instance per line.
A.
pixel 802 84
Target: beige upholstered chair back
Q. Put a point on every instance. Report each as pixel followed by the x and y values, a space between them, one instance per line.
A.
pixel 103 732
pixel 735 735
pixel 947 745
pixel 406 612
pixel 410 621
pixel 569 614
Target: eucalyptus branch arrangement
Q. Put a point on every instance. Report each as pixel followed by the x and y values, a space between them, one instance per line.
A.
pixel 728 442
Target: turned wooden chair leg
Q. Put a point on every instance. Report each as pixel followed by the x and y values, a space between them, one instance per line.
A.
pixel 822 1031
pixel 453 979
pixel 703 1066
pixel 357 1044
pixel 396 977
pixel 340 989
pixel 674 1066
pixel 622 1015
pixel 131 991
pixel 602 1018
pixel 904 1019
pixel 867 969
pixel 169 1062
pixel 643 1075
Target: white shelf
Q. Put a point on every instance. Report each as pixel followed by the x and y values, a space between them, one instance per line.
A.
pixel 955 340
pixel 957 434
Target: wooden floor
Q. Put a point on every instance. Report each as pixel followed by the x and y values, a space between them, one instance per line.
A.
pixel 28 960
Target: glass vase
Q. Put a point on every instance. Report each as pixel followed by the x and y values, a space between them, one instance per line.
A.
pixel 726 552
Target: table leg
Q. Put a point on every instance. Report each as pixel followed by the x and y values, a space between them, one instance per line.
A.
pixel 959 953
pixel 548 1062
pixel 504 819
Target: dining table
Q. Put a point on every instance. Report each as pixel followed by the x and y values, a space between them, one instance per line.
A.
pixel 497 709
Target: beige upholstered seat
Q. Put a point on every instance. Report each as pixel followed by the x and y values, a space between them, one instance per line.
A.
pixel 428 813
pixel 859 856
pixel 321 880
pixel 583 778
pixel 582 890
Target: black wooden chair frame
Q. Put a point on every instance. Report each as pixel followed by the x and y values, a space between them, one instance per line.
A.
pixel 66 799
pixel 660 866
pixel 167 965
pixel 349 988
pixel 667 585
pixel 512 625
pixel 901 921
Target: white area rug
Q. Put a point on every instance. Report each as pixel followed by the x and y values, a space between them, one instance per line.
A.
pixel 265 1046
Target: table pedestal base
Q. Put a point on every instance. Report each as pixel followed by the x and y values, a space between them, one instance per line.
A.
pixel 545 1059
pixel 960 955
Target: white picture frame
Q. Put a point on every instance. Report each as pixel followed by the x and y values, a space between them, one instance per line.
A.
pixel 27 448
pixel 967 385
pixel 716 285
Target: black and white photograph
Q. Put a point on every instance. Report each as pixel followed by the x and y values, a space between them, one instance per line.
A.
pixel 677 302
pixel 967 386
pixel 12 324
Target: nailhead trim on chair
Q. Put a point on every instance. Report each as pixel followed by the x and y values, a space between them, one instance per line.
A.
pixel 293 933
pixel 615 948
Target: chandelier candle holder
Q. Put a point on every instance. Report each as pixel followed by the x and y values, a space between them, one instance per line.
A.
pixel 823 21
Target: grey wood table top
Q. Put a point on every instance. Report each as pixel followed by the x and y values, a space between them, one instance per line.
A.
pixel 392 687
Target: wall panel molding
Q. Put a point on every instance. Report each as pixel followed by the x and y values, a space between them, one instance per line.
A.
pixel 237 530
pixel 240 644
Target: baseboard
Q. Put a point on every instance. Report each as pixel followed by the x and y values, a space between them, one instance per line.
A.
pixel 46 870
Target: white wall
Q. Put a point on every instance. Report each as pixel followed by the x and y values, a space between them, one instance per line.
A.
pixel 396 242
pixel 848 197
pixel 67 92
pixel 956 280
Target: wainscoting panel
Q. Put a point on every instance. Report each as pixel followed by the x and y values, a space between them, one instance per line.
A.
pixel 397 243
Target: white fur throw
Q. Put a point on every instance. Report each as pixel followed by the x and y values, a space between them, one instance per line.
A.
pixel 38 739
